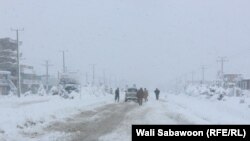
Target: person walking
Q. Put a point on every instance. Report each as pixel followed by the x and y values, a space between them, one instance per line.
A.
pixel 157 93
pixel 145 94
pixel 117 95
pixel 140 96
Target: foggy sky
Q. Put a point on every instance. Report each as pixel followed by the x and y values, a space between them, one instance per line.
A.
pixel 147 42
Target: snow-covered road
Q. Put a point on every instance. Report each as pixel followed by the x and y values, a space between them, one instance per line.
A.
pixel 113 121
pixel 103 119
pixel 90 125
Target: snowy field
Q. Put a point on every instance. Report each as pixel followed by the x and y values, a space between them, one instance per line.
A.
pixel 53 118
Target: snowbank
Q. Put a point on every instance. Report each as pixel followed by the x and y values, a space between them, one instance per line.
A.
pixel 203 111
pixel 27 112
pixel 214 92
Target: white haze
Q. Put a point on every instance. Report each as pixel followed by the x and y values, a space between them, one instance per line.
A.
pixel 147 42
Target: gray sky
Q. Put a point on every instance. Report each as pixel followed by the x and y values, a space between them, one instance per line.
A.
pixel 149 42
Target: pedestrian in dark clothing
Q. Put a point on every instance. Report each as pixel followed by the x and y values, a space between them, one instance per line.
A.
pixel 140 96
pixel 117 95
pixel 145 94
pixel 157 93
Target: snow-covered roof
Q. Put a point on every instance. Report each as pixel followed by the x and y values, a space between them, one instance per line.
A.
pixel 27 71
pixel 4 72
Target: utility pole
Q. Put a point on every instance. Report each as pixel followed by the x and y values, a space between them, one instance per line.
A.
pixel 222 60
pixel 93 72
pixel 86 75
pixel 47 75
pixel 58 76
pixel 203 74
pixel 18 63
pixel 64 69
pixel 64 66
pixel 104 78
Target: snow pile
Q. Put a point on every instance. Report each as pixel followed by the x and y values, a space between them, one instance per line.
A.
pixel 41 91
pixel 31 111
pixel 202 111
pixel 92 90
pixel 96 91
pixel 214 93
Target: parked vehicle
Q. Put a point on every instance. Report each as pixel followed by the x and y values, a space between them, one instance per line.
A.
pixel 69 83
pixel 131 94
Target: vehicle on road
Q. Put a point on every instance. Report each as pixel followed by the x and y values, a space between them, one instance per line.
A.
pixel 131 94
pixel 70 83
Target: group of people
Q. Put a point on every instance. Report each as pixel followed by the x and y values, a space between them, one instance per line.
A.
pixel 141 94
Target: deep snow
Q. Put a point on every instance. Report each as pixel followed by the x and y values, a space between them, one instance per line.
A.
pixel 182 109
pixel 21 119
pixel 28 113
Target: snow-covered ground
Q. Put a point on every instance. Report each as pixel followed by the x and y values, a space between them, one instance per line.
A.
pixel 30 112
pixel 27 118
pixel 182 109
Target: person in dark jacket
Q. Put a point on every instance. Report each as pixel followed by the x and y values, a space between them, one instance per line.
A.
pixel 157 93
pixel 140 95
pixel 117 95
pixel 145 94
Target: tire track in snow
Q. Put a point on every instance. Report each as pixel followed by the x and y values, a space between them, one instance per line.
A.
pixel 153 112
pixel 90 125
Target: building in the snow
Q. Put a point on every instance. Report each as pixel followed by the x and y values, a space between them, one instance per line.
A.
pixel 244 84
pixel 231 80
pixel 6 85
pixel 8 63
pixel 29 80
pixel 8 57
